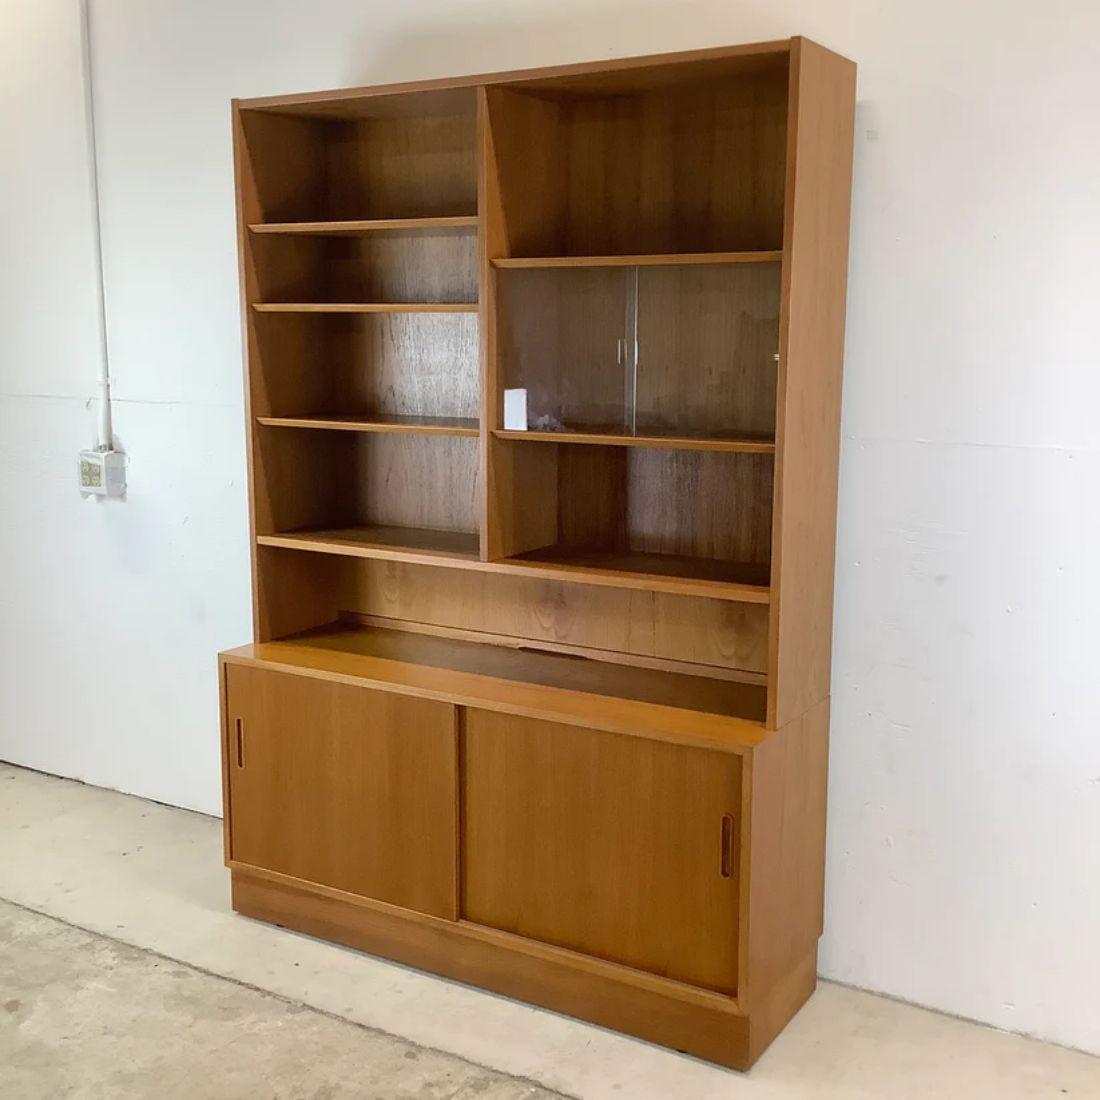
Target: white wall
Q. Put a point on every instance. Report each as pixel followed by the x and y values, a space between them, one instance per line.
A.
pixel 111 612
pixel 965 796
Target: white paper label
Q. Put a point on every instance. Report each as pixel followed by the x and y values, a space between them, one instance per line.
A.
pixel 515 410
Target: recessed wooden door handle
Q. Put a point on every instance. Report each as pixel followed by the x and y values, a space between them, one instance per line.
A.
pixel 726 858
pixel 240 742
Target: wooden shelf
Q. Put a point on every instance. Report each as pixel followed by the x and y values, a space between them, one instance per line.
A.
pixel 365 307
pixel 665 706
pixel 411 544
pixel 658 259
pixel 412 425
pixel 673 573
pixel 667 573
pixel 364 228
pixel 672 442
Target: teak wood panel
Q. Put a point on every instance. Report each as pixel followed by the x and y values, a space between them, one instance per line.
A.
pixel 617 847
pixel 630 717
pixel 707 1025
pixel 689 169
pixel 642 259
pixel 301 482
pixel 364 307
pixel 412 482
pixel 696 441
pixel 364 227
pixel 700 504
pixel 710 506
pixel 700 578
pixel 517 487
pixel 521 173
pixel 332 480
pixel 381 267
pixel 785 887
pixel 647 624
pixel 685 574
pixel 453 549
pixel 712 633
pixel 819 167
pixel 416 166
pixel 390 364
pixel 343 786
pixel 249 210
pixel 300 591
pixel 411 645
pixel 649 175
pixel 295 592
pixel 412 166
pixel 374 422
pixel 615 76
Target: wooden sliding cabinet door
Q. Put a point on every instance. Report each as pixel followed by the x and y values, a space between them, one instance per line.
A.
pixel 343 786
pixel 619 847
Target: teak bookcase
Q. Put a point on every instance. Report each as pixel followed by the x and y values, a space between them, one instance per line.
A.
pixel 546 710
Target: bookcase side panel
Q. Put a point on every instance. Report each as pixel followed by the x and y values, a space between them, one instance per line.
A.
pixel 819 167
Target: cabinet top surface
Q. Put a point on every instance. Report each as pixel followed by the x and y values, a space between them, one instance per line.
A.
pixel 605 77
pixel 686 709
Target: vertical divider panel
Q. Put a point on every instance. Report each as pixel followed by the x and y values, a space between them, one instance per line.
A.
pixel 517 137
pixel 489 234
pixel 811 356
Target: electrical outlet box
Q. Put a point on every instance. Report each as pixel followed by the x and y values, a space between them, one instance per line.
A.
pixel 102 473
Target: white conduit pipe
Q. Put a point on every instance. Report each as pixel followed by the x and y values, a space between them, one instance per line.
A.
pixel 106 437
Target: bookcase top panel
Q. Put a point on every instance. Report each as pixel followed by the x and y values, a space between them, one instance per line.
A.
pixel 455 95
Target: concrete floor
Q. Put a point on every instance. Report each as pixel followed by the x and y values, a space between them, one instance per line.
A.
pixel 94 1018
pixel 321 1021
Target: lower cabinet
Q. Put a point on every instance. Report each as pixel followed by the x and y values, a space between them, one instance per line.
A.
pixel 619 847
pixel 343 786
pixel 598 874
